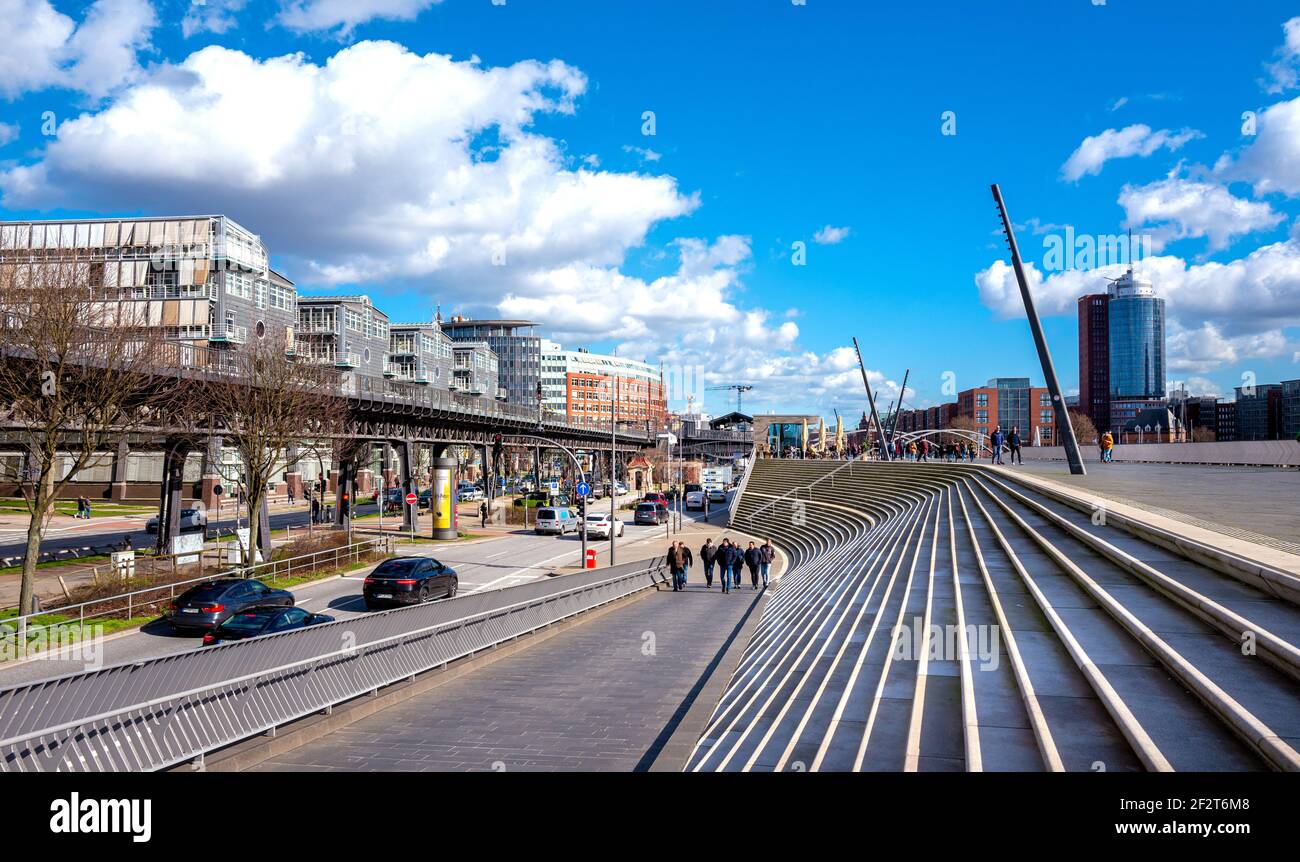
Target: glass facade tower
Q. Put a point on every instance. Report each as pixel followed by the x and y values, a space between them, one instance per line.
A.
pixel 1137 339
pixel 518 349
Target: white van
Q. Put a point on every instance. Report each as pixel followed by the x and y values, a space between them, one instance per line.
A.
pixel 555 521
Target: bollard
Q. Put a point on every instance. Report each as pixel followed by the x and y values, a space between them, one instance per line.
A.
pixel 591 558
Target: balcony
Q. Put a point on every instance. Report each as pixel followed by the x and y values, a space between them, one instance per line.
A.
pixel 422 377
pixel 347 360
pixel 228 334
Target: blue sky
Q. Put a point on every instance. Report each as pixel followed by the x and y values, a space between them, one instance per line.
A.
pixel 514 176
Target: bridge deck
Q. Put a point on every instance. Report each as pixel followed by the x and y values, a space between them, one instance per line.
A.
pixel 589 698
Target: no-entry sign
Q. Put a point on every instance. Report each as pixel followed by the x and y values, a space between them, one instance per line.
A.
pixel 410 499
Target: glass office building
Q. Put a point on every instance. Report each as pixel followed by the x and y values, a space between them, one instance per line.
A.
pixel 1137 339
pixel 518 349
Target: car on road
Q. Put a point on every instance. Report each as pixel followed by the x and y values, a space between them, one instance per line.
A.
pixel 597 525
pixel 693 486
pixel 717 495
pixel 210 603
pixel 408 581
pixel 655 497
pixel 555 520
pixel 191 519
pixel 263 620
pixel 649 512
pixel 695 499
pixel 469 492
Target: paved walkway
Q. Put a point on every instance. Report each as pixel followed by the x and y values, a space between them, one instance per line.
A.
pixel 605 695
pixel 1252 503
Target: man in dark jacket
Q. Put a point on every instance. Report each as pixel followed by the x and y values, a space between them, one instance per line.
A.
pixel 708 553
pixel 766 554
pixel 1014 442
pixel 724 564
pixel 752 560
pixel 735 560
pixel 688 560
pixel 676 560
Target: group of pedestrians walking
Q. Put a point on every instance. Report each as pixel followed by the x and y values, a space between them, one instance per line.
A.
pixel 83 508
pixel 728 558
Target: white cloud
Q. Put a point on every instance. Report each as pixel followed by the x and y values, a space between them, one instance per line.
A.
pixel 343 16
pixel 1118 103
pixel 647 155
pixel 44 48
pixel 1284 74
pixel 1272 161
pixel 1135 140
pixel 1197 385
pixel 1183 209
pixel 831 235
pixel 1251 300
pixel 8 132
pixel 211 16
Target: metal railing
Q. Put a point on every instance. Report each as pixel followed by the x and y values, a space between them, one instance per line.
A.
pixel 153 714
pixel 744 483
pixel 18 629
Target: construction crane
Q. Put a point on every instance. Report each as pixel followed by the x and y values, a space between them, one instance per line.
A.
pixel 741 389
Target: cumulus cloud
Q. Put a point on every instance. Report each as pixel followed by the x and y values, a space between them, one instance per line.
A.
pixel 1272 161
pixel 1251 301
pixel 212 16
pixel 645 154
pixel 1183 209
pixel 1284 73
pixel 8 133
pixel 44 48
pixel 831 235
pixel 1135 140
pixel 343 16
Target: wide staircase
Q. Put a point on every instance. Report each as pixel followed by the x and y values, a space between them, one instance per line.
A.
pixel 954 617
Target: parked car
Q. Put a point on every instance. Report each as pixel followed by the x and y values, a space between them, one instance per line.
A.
pixel 263 620
pixel 469 492
pixel 191 519
pixel 717 495
pixel 695 499
pixel 655 497
pixel 650 513
pixel 209 604
pixel 555 520
pixel 598 525
pixel 408 581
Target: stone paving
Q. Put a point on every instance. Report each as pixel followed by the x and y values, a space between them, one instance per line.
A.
pixel 1255 503
pixel 605 695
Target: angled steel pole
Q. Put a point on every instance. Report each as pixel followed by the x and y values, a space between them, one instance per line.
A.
pixel 893 419
pixel 1064 429
pixel 871 400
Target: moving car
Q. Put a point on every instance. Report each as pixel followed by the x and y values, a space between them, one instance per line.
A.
pixel 469 492
pixel 650 513
pixel 597 525
pixel 209 604
pixel 655 497
pixel 556 521
pixel 717 495
pixel 191 519
pixel 408 581
pixel 263 620
pixel 695 499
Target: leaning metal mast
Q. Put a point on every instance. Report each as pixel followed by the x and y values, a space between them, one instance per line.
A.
pixel 1064 428
pixel 871 399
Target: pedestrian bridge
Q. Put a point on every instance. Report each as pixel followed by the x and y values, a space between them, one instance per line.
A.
pixel 929 617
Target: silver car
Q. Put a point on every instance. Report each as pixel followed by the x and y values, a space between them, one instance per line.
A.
pixel 598 526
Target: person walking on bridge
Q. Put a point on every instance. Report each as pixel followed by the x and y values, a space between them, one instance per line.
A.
pixel 708 553
pixel 724 564
pixel 676 560
pixel 1107 447
pixel 752 560
pixel 1014 442
pixel 766 556
pixel 996 442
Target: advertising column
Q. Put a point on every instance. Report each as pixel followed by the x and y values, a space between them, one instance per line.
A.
pixel 443 498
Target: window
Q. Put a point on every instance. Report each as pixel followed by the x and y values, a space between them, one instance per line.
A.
pixel 981 399
pixel 981 416
pixel 1045 416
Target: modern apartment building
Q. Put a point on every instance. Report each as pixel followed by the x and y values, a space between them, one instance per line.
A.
pixel 1227 424
pixel 579 384
pixel 203 279
pixel 420 353
pixel 1290 409
pixel 1259 412
pixel 476 370
pixel 517 347
pixel 1010 402
pixel 347 332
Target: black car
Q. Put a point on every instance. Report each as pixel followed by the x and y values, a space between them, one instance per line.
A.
pixel 650 513
pixel 263 620
pixel 211 603
pixel 408 581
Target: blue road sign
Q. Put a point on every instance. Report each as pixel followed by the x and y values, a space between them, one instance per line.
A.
pixel 583 489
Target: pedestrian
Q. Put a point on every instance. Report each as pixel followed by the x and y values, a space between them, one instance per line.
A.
pixel 737 563
pixel 86 507
pixel 708 553
pixel 81 507
pixel 315 509
pixel 1107 447
pixel 483 513
pixel 1014 442
pixel 766 555
pixel 289 490
pixel 996 441
pixel 752 561
pixel 675 560
pixel 724 563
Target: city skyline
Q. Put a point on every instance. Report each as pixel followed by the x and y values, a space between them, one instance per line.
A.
pixel 616 237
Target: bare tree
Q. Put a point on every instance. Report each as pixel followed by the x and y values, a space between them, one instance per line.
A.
pixel 1084 431
pixel 265 402
pixel 1203 435
pixel 80 371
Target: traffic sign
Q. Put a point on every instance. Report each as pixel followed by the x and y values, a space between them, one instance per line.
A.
pixel 583 489
pixel 411 498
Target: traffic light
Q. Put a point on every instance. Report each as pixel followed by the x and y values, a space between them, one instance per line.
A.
pixel 345 504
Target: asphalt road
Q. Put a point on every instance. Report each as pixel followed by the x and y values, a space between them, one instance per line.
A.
pixel 488 564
